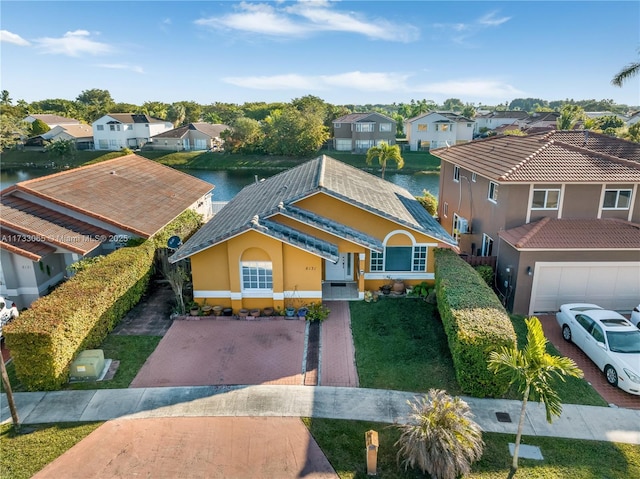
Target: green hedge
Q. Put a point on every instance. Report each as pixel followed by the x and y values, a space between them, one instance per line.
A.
pixel 80 313
pixel 475 323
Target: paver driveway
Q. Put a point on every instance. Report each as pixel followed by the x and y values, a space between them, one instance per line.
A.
pixel 217 352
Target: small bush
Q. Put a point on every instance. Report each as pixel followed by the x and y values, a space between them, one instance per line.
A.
pixel 486 273
pixel 317 312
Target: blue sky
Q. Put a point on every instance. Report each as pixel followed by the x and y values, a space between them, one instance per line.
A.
pixel 345 52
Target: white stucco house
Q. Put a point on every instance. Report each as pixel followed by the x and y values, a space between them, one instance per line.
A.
pixel 126 130
pixel 438 129
pixel 51 222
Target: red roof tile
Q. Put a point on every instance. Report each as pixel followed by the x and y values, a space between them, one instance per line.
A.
pixel 17 243
pixel 544 158
pixel 585 234
pixel 130 192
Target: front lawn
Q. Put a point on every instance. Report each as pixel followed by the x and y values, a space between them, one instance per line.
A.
pixel 343 444
pixel 22 455
pixel 401 344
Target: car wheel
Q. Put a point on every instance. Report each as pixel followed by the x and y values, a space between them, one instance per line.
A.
pixel 611 375
pixel 566 333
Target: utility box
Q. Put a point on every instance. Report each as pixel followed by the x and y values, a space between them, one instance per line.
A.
pixel 88 365
pixel 371 440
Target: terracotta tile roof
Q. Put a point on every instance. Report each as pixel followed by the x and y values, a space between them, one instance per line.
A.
pixel 17 243
pixel 207 128
pixel 597 142
pixel 33 224
pixel 545 158
pixel 580 234
pixel 50 119
pixel 130 192
pixel 517 114
pixel 320 175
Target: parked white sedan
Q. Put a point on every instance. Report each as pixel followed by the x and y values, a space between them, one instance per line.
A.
pixel 608 338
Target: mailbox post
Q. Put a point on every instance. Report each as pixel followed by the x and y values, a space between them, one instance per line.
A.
pixel 371 440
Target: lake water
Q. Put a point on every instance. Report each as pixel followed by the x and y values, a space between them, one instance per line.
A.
pixel 229 183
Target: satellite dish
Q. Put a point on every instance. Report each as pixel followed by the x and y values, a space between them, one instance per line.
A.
pixel 174 242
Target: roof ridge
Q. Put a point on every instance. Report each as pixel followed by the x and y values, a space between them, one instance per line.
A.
pixel 523 241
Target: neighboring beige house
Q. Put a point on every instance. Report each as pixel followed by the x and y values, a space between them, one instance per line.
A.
pixel 126 130
pixel 81 135
pixel 559 210
pixel 495 119
pixel 194 136
pixel 438 129
pixel 357 132
pixel 48 223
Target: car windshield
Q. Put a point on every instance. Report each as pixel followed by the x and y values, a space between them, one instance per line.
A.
pixel 624 341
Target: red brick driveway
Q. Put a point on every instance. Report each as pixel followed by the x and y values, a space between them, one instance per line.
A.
pixel 592 374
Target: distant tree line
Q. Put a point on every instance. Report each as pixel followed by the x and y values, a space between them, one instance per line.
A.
pixel 299 127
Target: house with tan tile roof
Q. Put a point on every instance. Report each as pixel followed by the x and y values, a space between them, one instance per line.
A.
pixel 437 129
pixel 51 120
pixel 81 135
pixel 320 231
pixel 48 223
pixel 559 210
pixel 194 136
pixel 116 131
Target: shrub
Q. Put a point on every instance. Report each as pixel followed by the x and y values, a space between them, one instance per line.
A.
pixel 317 312
pixel 486 273
pixel 475 322
pixel 429 202
pixel 80 313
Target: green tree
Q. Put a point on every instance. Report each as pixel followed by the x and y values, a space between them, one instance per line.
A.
pixel 633 133
pixel 61 149
pixel 12 131
pixel 385 152
pixel 569 116
pixel 176 114
pixel 245 136
pixel 38 127
pixel 5 99
pixel 156 109
pixel 94 104
pixel 533 370
pixel 627 72
pixel 469 111
pixel 429 202
pixel 453 104
pixel 439 437
pixel 292 132
pixel 608 121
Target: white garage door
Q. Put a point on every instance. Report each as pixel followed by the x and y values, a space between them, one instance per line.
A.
pixel 610 285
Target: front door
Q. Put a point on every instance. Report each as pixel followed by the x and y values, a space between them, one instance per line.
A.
pixel 340 271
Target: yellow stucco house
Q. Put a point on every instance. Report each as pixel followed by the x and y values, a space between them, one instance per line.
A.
pixel 320 231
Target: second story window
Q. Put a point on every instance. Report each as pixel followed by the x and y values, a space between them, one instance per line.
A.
pixel 442 127
pixel 385 127
pixel 365 127
pixel 100 127
pixel 456 173
pixel 337 125
pixel 493 191
pixel 545 199
pixel 616 200
pixel 474 177
pixel 422 127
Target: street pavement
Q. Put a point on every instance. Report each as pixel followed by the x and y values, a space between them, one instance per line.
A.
pixel 385 406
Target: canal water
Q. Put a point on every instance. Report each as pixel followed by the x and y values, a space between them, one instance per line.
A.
pixel 229 183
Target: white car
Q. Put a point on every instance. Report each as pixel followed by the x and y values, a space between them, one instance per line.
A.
pixel 635 316
pixel 607 338
pixel 8 312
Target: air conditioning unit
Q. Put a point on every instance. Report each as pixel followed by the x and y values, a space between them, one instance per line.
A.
pixel 463 226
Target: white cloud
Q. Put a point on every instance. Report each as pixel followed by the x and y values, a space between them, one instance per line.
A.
pixel 73 44
pixel 392 82
pixel 485 88
pixel 305 18
pixel 464 31
pixel 8 37
pixel 121 66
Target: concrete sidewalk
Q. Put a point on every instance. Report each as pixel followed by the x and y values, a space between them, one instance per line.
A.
pixel 579 422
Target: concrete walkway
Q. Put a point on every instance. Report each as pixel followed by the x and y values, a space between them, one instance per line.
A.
pixel 580 422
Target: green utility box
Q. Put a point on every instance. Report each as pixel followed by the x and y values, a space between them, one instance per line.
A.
pixel 88 365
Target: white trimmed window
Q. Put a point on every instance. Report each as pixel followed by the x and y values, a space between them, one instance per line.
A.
pixel 365 127
pixel 456 173
pixel 385 126
pixel 423 126
pixel 103 144
pixel 100 127
pixel 474 177
pixel 400 258
pixel 445 209
pixel 337 125
pixel 487 245
pixel 545 199
pixel 442 127
pixel 364 144
pixel 257 275
pixel 419 258
pixel 616 200
pixel 493 191
pixel 377 261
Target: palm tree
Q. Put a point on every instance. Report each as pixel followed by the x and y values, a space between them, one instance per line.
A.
pixel 440 437
pixel 569 116
pixel 629 71
pixel 385 152
pixel 532 369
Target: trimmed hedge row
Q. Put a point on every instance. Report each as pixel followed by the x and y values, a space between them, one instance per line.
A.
pixel 475 323
pixel 80 313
